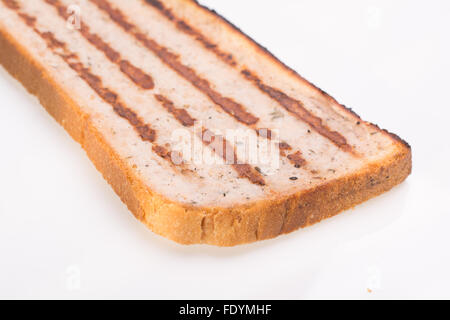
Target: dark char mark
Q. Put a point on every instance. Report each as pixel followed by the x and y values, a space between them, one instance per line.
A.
pixel 180 114
pixel 222 148
pixel 183 26
pixel 297 108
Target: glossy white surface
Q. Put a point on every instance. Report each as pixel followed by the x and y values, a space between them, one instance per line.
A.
pixel 65 234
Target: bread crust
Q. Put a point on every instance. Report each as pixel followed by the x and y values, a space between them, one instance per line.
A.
pixel 188 224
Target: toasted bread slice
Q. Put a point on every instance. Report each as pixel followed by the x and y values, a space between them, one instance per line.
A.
pixel 128 78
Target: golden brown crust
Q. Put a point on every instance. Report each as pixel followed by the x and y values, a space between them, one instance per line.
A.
pixel 187 224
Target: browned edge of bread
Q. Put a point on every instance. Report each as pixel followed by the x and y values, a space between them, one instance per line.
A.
pixel 188 224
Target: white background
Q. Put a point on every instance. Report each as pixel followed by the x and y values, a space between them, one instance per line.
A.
pixel 65 234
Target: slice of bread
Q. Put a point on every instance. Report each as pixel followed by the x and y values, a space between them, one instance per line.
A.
pixel 152 90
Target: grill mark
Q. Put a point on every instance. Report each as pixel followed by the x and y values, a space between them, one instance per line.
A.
pixel 186 120
pixel 217 143
pixel 59 48
pixel 180 114
pixel 172 60
pixel 30 21
pixel 244 170
pixel 186 28
pixel 297 159
pixel 135 74
pixel 12 4
pixel 297 108
pixel 175 157
pixel 284 146
pixel 223 149
pixel 115 15
pixel 162 152
pixel 294 106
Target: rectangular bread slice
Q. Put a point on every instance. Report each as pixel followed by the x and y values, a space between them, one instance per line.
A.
pixel 205 136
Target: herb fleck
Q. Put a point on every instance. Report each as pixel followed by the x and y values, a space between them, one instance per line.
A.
pixel 276 114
